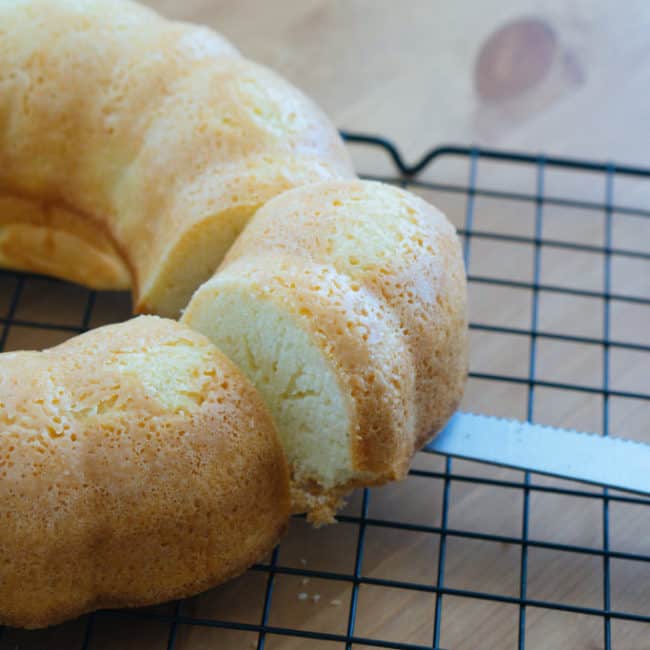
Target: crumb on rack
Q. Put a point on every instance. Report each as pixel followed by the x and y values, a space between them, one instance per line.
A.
pixel 302 596
pixel 303 561
pixel 305 581
pixel 336 602
pixel 316 597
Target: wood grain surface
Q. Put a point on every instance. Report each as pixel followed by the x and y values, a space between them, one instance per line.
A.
pixel 563 77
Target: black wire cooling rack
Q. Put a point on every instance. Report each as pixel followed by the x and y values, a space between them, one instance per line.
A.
pixel 422 177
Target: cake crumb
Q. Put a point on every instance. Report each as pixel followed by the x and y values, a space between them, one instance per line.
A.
pixel 316 597
pixel 302 596
pixel 305 581
pixel 336 602
pixel 303 561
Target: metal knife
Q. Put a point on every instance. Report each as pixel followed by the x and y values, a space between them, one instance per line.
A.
pixel 586 457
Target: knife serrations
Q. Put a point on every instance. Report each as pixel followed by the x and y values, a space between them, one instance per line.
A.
pixel 542 449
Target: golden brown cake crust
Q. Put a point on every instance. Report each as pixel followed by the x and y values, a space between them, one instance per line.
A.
pixel 156 131
pixel 124 484
pixel 374 275
pixel 401 250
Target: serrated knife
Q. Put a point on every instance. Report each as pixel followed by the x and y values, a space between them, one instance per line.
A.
pixel 586 457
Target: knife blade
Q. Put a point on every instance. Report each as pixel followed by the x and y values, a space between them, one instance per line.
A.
pixel 585 457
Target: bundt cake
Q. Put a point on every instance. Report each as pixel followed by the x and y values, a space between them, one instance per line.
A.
pixel 344 303
pixel 153 475
pixel 138 464
pixel 133 149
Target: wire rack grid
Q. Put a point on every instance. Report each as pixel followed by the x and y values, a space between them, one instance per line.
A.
pixel 349 627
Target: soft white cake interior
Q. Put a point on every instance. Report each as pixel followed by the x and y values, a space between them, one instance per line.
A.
pixel 291 373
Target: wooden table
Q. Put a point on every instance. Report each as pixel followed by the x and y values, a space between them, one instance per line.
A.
pixel 566 78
